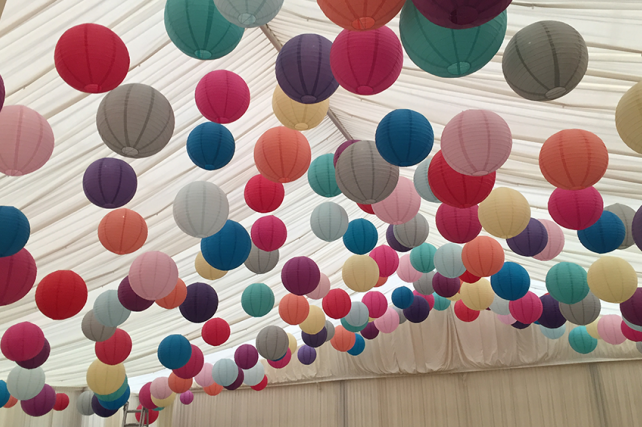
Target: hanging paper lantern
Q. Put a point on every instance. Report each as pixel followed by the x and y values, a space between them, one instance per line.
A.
pixel 200 303
pixel 343 339
pixel 321 176
pixel 22 341
pixel 360 273
pixel 303 69
pixel 105 379
pixel 204 377
pixel 269 233
pixel 27 140
pixel 91 58
pixel 500 306
pixel 249 14
pixel 62 401
pixel 205 270
pixel 145 397
pixel 632 308
pixel 174 298
pixel 225 372
pixel 210 146
pixel 612 279
pixel 135 120
pixel 606 235
pixel 295 115
pixel 2 93
pixel 217 249
pixel 368 62
pixel 441 303
pixel 457 15
pixel 469 278
pixel 300 275
pixel 464 313
pixel 418 310
pixel 448 260
pixel 321 290
pixel 263 195
pixel 329 221
pixel 630 333
pixel 222 96
pixel 424 284
pixel 117 395
pixel 193 366
pixel 100 410
pixel 153 275
pixel 39 359
pixel 422 258
pixel 215 331
pixel 272 342
pixel 477 296
pixel 360 237
pixel 282 154
pixel 201 209
pixel 610 329
pixel 505 213
pixel 402 297
pixel 357 318
pixel 370 332
pixel 213 390
pixel 420 179
pixel 393 242
pixel 186 397
pixel 94 330
pixel 476 142
pixel 17 276
pixel 363 175
pixel 293 309
pixel 458 225
pixel 573 159
pixel 246 356
pixel 109 311
pixel 360 15
pixel 114 350
pixel 412 233
pixel 545 60
pixel 122 231
pixel 555 242
pixel 358 347
pixel 531 241
pixel 626 215
pixel 627 118
pixel 315 340
pixel 511 282
pixel 109 183
pixel 261 262
pixel 483 256
pixel 14 231
pixel 178 385
pixel 592 329
pixel 406 271
pixel 551 316
pixel 257 300
pixel 83 404
pixel 174 351
pixel 553 334
pixel 404 138
pixel 584 312
pixel 387 260
pixel 526 309
pixel 455 189
pixel 306 355
pixel 376 303
pixel 61 294
pixel 292 343
pixel 25 384
pixel 41 404
pixel 336 304
pixel 567 283
pixel 446 52
pixel 163 403
pixel 254 375
pixel 401 206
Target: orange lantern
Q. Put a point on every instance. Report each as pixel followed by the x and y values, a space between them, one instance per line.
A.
pixel 360 15
pixel 293 309
pixel 213 389
pixel 382 281
pixel 483 256
pixel 179 385
pixel 122 231
pixel 573 159
pixel 11 402
pixel 343 340
pixel 175 298
pixel 282 154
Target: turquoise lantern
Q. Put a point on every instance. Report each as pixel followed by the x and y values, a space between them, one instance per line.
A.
pixel 199 30
pixel 422 258
pixel 321 176
pixel 441 303
pixel 249 13
pixel 567 283
pixel 445 52
pixel 581 341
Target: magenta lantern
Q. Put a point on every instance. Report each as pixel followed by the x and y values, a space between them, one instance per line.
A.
pixel 387 260
pixel 376 302
pixel 575 209
pixel 17 276
pixel 458 225
pixel 42 404
pixel 22 341
pixel 222 96
pixel 300 275
pixel 458 14
pixel 527 309
pixel 269 233
pixel 187 397
pixel 246 356
pixel 193 366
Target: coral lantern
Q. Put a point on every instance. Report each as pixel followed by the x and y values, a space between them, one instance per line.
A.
pixel 122 231
pixel 483 256
pixel 282 154
pixel 360 15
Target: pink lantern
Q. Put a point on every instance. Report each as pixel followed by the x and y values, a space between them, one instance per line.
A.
pixel 464 313
pixel 367 62
pixel 388 322
pixel 506 319
pixel 576 209
pixel 376 302
pixel 555 241
pixel 222 96
pixel 430 298
pixel 406 271
pixel 386 258
pixel 269 233
pixel 160 388
pixel 283 362
pixel 153 275
pixel 630 333
pixel 17 276
pixel 458 225
pixel 527 309
pixel 204 378
pixel 476 142
pixel 193 366
pixel 26 140
pixel 22 341
pixel 145 396
pixel 610 330
pixel 322 289
pixel 402 205
pixel 187 397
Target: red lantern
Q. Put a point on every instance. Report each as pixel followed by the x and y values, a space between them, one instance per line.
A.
pixel 215 331
pixel 193 365
pixel 382 281
pixel 464 313
pixel 22 341
pixel 282 362
pixel 260 386
pixel 336 304
pixel 469 278
pixel 62 401
pixel 386 258
pixel 458 225
pixel 630 333
pixel 263 195
pixel 269 233
pixel 282 154
pixel 151 414
pixel 222 96
pixel 576 209
pixel 527 309
pixel 91 58
pixel 366 208
pixel 17 276
pixel 61 294
pixel 114 350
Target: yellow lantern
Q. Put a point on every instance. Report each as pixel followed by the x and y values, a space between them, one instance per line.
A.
pixel 292 345
pixel 477 296
pixel 612 279
pixel 628 118
pixel 105 379
pixel 314 322
pixel 360 273
pixel 591 328
pixel 295 115
pixel 205 270
pixel 456 297
pixel 505 213
pixel 164 403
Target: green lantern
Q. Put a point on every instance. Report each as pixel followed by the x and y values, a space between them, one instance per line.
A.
pixel 581 341
pixel 566 282
pixel 445 52
pixel 257 299
pixel 199 30
pixel 321 176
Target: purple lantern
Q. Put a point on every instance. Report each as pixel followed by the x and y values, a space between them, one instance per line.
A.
pixel 2 93
pixel 99 409
pixel 246 356
pixel 458 14
pixel 300 275
pixel 445 287
pixel 370 332
pixel 632 308
pixel 129 299
pixel 109 183
pixel 39 359
pixel 239 380
pixel 41 404
pixel 531 241
pixel 520 325
pixel 315 340
pixel 636 228
pixel 187 397
pixel 306 354
pixel 551 317
pixel 341 149
pixel 418 310
pixel 393 242
pixel 303 69
pixel 200 303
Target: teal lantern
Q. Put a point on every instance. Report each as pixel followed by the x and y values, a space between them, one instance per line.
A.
pixel 445 52
pixel 199 30
pixel 422 258
pixel 321 176
pixel 581 341
pixel 249 13
pixel 257 299
pixel 441 303
pixel 566 282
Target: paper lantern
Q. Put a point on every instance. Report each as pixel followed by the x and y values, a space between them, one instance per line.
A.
pixel 122 231
pixel 269 233
pixel 215 331
pixel 105 379
pixel 145 397
pixel 519 325
pixel 363 175
pixel 360 237
pixel 573 159
pixel 62 401
pixel 200 303
pixel 575 209
pixel 303 69
pixel 343 339
pixel 329 221
pixel 257 300
pixel 254 375
pixel 422 258
pixel 282 154
pixel 506 318
pixel 261 262
pixel 567 283
pixel 222 96
pixel 402 317
pixel 371 332
pixel 210 146
pixel 205 270
pixel 357 317
pixel 584 312
pixel 551 316
pixel 376 303
pixel 609 328
pixel 366 62
pixel 160 388
pixel 445 52
pixel 174 351
pixel 321 176
pixel 135 120
pixel 115 395
pixel 14 231
pixel 22 341
pixel 27 140
pixel 249 14
pixel 83 403
pixel 61 294
pixel 204 377
pixel 389 321
pixel 464 313
pixel 418 310
pixel 387 260
pixel 306 355
pixel 41 404
pixel 336 304
pixel 424 284
pixel 545 60
pixel 109 311
pixel 627 118
pixel 458 225
pixel 630 333
pixel 174 298
pixel 358 347
pixel 314 322
pixel 163 403
pixel 201 209
pixel 300 275
pixel 632 308
pixel 581 341
pixel 94 330
pixel 2 93
pixel 186 397
pixel 448 260
pixel 531 241
pixel 272 342
pixel 393 242
pixel 420 179
pixel 39 359
pixel 17 276
pixel 606 235
pixel 511 282
pixel 218 250
pixel 612 279
pixel 25 384
pixel 106 409
pixel 401 206
pixel 225 372
pixel 626 215
pixel 553 334
pixel 404 138
pixel 455 189
pixel 109 183
pixel 483 256
pixel 555 242
pixel 527 309
pixel 457 15
pixel 412 233
pixel 293 309
pixel 360 15
pixel 115 349
pixel 441 303
pixel 295 115
pixel 505 213
pixel 263 195
pixel 315 340
pixel 406 271
pixel 469 278
pixel 477 296
pixel 193 366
